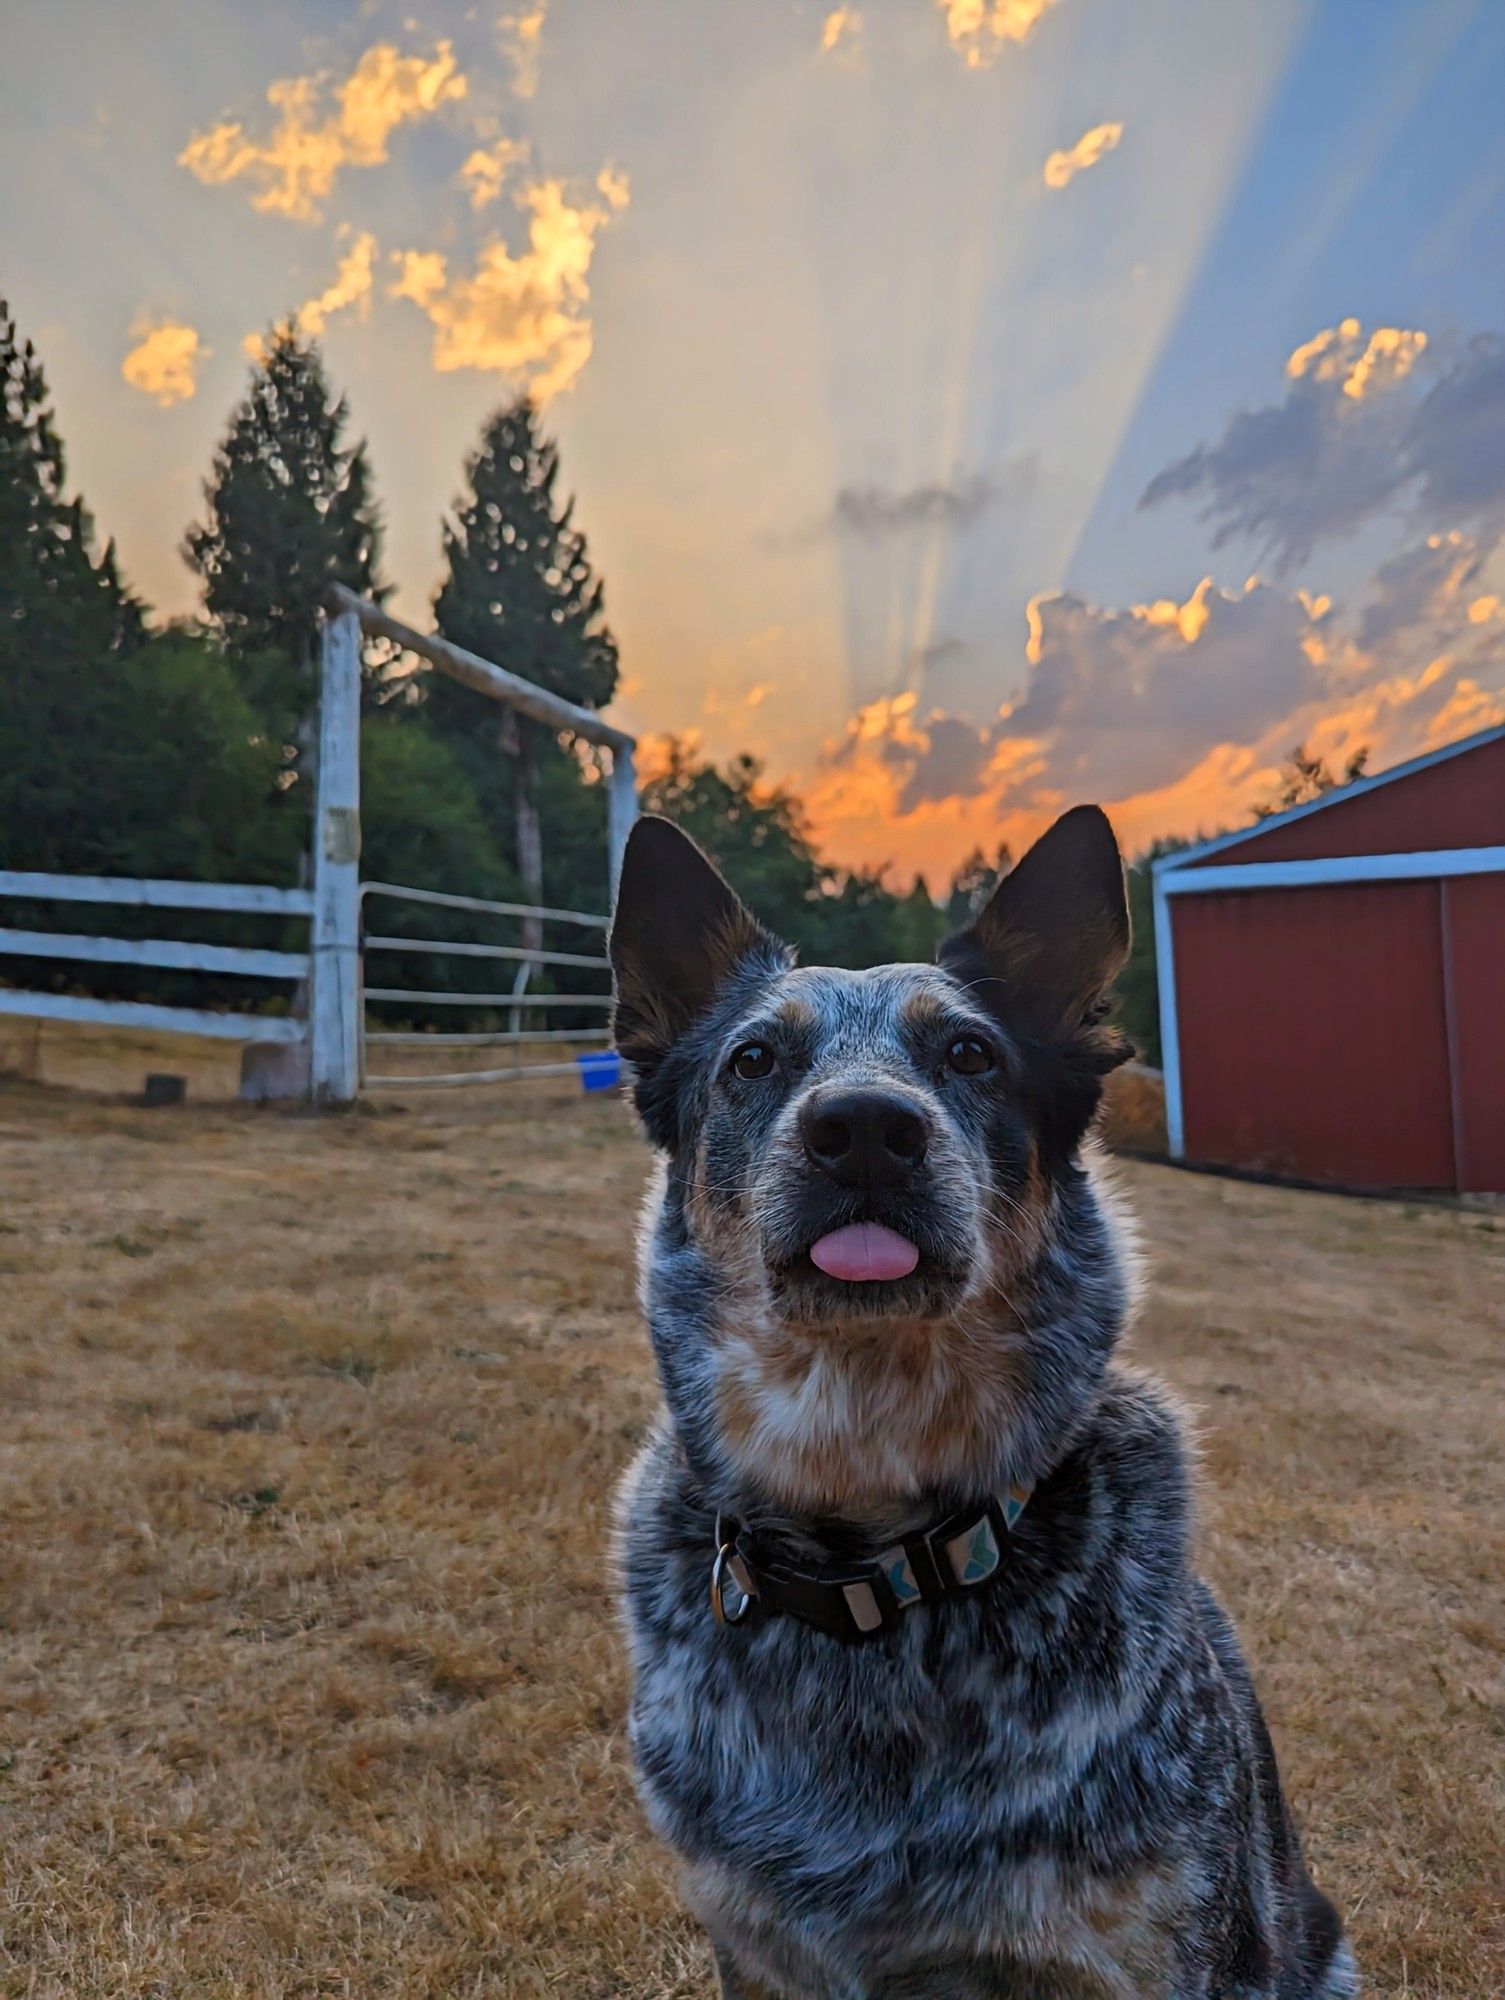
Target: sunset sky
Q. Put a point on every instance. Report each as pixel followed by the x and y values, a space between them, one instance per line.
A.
pixel 973 405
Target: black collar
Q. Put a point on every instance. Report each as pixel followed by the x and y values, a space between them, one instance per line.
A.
pixel 855 1601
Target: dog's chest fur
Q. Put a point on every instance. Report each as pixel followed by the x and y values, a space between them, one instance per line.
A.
pixel 999 1794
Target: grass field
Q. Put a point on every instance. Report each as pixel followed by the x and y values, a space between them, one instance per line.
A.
pixel 309 1683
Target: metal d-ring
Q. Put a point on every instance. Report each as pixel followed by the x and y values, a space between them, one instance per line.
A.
pixel 725 1551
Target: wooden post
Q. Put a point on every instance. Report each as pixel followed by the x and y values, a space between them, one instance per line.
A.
pixel 335 1027
pixel 621 809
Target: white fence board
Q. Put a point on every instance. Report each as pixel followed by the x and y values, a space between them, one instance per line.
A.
pixel 483 675
pixel 449 902
pixel 490 999
pixel 135 1014
pixel 246 897
pixel 168 952
pixel 457 1077
pixel 422 1041
pixel 446 948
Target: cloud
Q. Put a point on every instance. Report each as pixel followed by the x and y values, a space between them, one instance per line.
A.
pixel 292 170
pixel 164 362
pixel 980 29
pixel 525 314
pixel 1366 422
pixel 614 186
pixel 1340 354
pixel 352 286
pixel 1061 169
pixel 1425 588
pixel 521 38
pixel 1176 715
pixel 486 171
pixel 1455 445
pixel 872 512
pixel 841 31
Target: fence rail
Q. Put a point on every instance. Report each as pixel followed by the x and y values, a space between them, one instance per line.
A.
pixel 169 953
pixel 515 1002
pixel 453 1077
pixel 166 954
pixel 245 898
pixel 451 948
pixel 501 1038
pixel 139 1014
pixel 482 903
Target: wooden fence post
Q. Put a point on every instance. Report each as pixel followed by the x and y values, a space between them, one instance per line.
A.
pixel 334 1052
pixel 621 810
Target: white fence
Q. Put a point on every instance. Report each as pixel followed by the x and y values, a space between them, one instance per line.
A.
pixel 330 972
pixel 517 1001
pixel 246 899
pixel 340 991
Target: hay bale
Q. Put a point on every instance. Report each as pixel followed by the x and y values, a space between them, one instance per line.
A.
pixel 1133 1114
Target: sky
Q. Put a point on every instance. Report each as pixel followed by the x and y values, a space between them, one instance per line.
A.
pixel 973 406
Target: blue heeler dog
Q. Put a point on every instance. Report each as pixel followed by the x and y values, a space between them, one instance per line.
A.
pixel 928 1697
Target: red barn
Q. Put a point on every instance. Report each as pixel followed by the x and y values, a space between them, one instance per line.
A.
pixel 1332 982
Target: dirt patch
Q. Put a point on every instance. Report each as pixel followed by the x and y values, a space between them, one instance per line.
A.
pixel 311 1682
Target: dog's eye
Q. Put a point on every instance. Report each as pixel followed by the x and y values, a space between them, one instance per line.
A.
pixel 752 1062
pixel 967 1056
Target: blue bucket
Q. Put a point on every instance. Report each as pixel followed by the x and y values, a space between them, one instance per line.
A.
pixel 601 1069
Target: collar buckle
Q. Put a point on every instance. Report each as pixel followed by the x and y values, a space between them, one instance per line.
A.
pixel 950 1559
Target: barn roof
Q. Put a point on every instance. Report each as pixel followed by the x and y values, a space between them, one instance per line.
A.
pixel 1340 795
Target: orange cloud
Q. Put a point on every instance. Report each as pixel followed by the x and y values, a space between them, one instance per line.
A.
pixel 1063 167
pixel 1341 354
pixel 164 362
pixel 521 37
pixel 979 29
pixel 1176 716
pixel 841 31
pixel 485 172
pixel 526 314
pixel 293 169
pixel 351 286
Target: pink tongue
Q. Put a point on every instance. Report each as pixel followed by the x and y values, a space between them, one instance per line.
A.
pixel 864 1252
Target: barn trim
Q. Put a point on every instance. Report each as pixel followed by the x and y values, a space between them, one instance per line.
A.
pixel 1428 864
pixel 1339 795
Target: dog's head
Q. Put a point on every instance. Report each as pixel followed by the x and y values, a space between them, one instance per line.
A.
pixel 875 1263
pixel 863 1160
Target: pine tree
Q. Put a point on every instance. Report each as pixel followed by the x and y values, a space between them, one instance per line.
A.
pixel 53 592
pixel 69 630
pixel 520 591
pixel 973 883
pixel 289 511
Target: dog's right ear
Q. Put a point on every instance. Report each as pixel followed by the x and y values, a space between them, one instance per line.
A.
pixel 679 937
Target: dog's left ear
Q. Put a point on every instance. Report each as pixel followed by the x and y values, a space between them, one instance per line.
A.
pixel 679 936
pixel 1053 938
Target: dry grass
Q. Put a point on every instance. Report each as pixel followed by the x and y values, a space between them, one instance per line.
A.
pixel 310 1684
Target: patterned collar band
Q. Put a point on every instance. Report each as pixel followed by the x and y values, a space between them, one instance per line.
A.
pixel 859 1601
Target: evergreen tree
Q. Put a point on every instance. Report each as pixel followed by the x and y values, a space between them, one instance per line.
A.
pixel 973 883
pixel 54 594
pixel 1305 776
pixel 69 631
pixel 289 511
pixel 520 590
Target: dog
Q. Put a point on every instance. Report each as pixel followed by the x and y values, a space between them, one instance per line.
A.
pixel 927 1696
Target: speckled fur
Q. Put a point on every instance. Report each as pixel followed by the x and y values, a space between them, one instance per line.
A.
pixel 1059 1787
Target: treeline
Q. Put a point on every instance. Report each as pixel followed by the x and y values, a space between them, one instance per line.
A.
pixel 185 749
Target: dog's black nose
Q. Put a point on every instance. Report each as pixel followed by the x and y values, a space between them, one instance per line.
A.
pixel 863 1138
